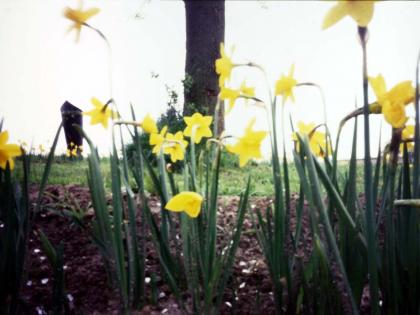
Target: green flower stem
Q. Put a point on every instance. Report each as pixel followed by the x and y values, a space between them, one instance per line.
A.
pixel 370 220
pixel 165 214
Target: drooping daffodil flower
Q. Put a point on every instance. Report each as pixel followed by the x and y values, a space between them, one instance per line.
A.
pixel 101 113
pixel 360 11
pixel 187 201
pixel 157 139
pixel 8 151
pixel 231 95
pixel 317 140
pixel 198 127
pixel 286 84
pixel 149 125
pixel 79 17
pixel 174 145
pixel 249 145
pixel 392 103
pixel 224 66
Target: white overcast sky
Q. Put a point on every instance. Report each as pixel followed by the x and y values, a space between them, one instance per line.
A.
pixel 41 66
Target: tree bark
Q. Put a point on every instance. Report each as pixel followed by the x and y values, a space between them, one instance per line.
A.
pixel 205 30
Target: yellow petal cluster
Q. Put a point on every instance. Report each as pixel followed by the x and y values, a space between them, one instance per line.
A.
pixel 407 134
pixel 175 146
pixel 79 17
pixel 100 114
pixel 73 150
pixel 285 85
pixel 360 11
pixel 231 95
pixel 8 151
pixel 224 66
pixel 248 146
pixel 157 139
pixel 149 124
pixel 198 127
pixel 187 201
pixel 317 140
pixel 392 103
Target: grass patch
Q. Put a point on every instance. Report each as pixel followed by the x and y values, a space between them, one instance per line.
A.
pixel 232 179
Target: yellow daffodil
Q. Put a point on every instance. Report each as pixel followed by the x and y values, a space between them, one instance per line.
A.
pixel 187 201
pixel 41 148
pixel 149 125
pixel 360 11
pixel 198 127
pixel 392 103
pixel 79 17
pixel 394 114
pixel 248 146
pixel 246 91
pixel 317 141
pixel 8 151
pixel 100 114
pixel 73 150
pixel 285 85
pixel 175 146
pixel 408 134
pixel 157 140
pixel 232 95
pixel 224 66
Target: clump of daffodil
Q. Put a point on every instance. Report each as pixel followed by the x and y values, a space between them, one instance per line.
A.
pixel 360 11
pixel 224 66
pixel 79 17
pixel 249 145
pixel 101 113
pixel 8 151
pixel 187 201
pixel 198 127
pixel 174 145
pixel 149 124
pixel 392 103
pixel 285 85
pixel 317 141
pixel 231 95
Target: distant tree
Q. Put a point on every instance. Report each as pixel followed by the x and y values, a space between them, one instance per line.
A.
pixel 205 30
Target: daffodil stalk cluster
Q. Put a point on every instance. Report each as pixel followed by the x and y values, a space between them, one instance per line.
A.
pixel 184 235
pixel 377 228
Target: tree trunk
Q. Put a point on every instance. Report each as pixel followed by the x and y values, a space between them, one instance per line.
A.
pixel 205 30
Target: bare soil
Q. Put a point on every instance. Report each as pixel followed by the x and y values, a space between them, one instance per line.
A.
pixel 87 291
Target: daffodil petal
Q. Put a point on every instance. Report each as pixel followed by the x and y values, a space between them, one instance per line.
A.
pixel 361 11
pixel 335 14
